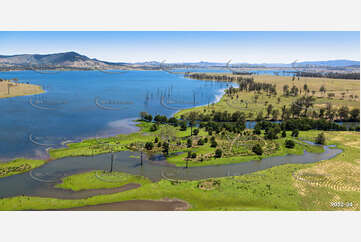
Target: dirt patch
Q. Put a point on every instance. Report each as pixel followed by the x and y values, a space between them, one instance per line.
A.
pixel 137 205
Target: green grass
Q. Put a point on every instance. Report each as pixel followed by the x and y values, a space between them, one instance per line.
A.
pixel 232 104
pixel 14 167
pixel 91 180
pixel 269 190
pixel 178 160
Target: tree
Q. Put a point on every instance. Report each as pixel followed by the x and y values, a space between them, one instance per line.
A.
pixel 168 133
pixel 218 153
pixel 271 133
pixel 149 145
pixel 173 121
pixel 269 110
pixel 194 155
pixel 323 89
pixel 143 115
pixel 305 88
pixel 189 154
pixel 257 149
pixel 321 139
pixel 343 113
pixel 286 90
pixel 275 114
pixel 195 132
pixel 257 130
pixel 200 142
pixel 156 140
pixel 213 144
pixel 165 148
pixel 259 116
pixel 284 134
pixel 189 143
pixel 183 126
pixel 295 133
pixel 192 118
pixel 290 144
pixel 355 115
pixel 154 127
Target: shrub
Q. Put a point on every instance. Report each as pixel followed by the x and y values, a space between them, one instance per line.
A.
pixel 214 144
pixel 189 155
pixel 257 149
pixel 195 132
pixel 200 142
pixel 295 133
pixel 154 127
pixel 194 155
pixel 321 139
pixel 165 148
pixel 156 140
pixel 149 145
pixel 284 134
pixel 218 153
pixel 189 143
pixel 159 144
pixel 257 131
pixel 205 140
pixel 290 144
pixel 183 126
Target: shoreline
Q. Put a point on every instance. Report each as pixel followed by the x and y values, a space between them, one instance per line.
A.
pixel 19 89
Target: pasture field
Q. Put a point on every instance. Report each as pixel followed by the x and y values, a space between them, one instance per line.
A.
pixel 347 93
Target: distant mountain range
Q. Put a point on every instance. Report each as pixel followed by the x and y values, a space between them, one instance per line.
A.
pixel 75 60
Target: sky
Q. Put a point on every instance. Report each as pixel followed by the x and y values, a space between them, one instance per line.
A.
pixel 189 46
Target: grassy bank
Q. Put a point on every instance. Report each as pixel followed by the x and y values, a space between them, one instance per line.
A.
pixel 18 166
pixel 14 89
pixel 99 179
pixel 271 189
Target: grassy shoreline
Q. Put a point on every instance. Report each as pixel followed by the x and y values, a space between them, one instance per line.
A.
pixel 274 189
pixel 19 166
pixel 12 89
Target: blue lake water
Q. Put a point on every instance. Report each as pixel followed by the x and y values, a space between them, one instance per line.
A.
pixel 82 104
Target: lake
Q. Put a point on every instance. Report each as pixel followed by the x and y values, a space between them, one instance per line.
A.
pixel 83 104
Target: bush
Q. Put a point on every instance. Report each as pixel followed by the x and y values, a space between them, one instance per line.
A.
pixel 214 144
pixel 205 140
pixel 149 145
pixel 290 144
pixel 189 155
pixel 189 143
pixel 156 140
pixel 284 134
pixel 194 155
pixel 257 131
pixel 195 132
pixel 218 153
pixel 295 133
pixel 321 139
pixel 257 149
pixel 200 142
pixel 159 144
pixel 165 148
pixel 154 127
pixel 183 126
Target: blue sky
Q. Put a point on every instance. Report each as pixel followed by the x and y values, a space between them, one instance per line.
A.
pixel 242 46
